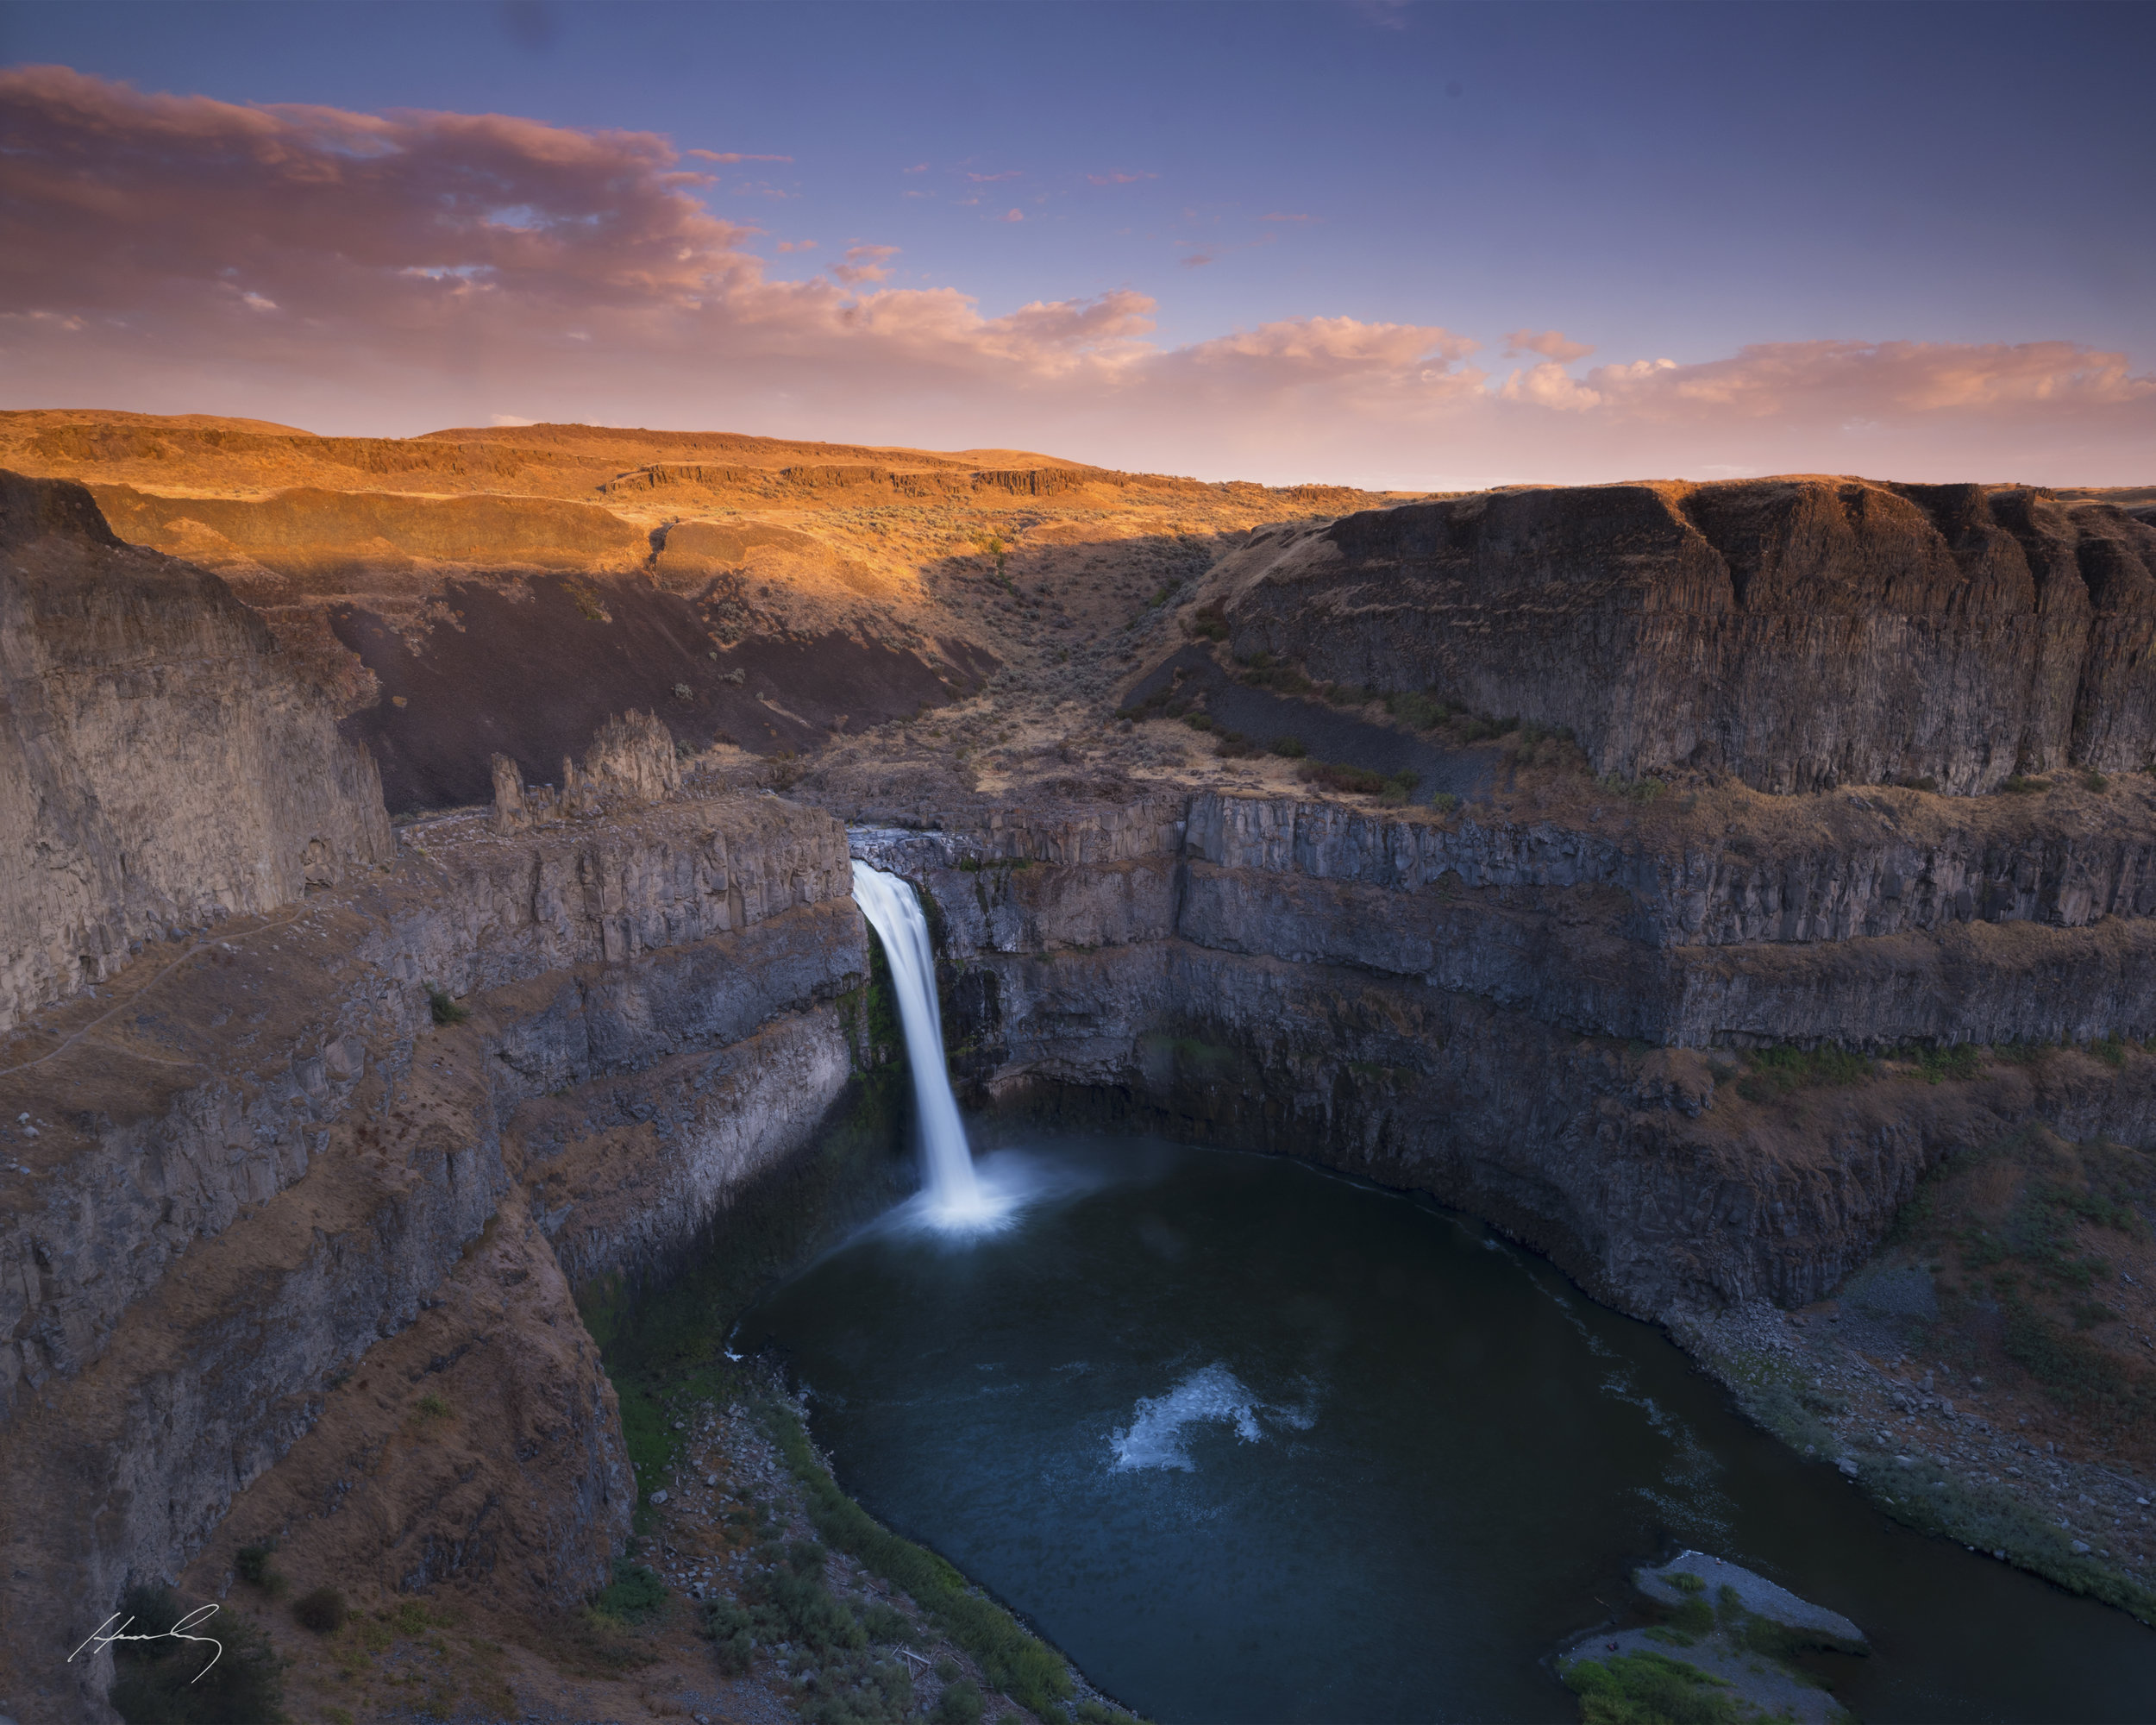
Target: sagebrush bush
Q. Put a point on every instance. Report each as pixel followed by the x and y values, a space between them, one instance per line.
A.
pixel 321 1610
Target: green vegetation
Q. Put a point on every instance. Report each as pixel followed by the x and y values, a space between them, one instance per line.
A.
pixel 2012 1236
pixel 252 1565
pixel 2016 785
pixel 2094 781
pixel 636 1595
pixel 1280 679
pixel 1644 789
pixel 1937 1063
pixel 1394 790
pixel 1779 1071
pixel 1101 1713
pixel 1208 623
pixel 1444 802
pixel 1423 711
pixel 444 1010
pixel 164 1681
pixel 1027 1669
pixel 959 1703
pixel 1650 1689
pixel 1290 747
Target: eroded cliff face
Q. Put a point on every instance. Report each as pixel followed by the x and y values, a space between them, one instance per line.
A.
pixel 160 763
pixel 261 1199
pixel 1532 1020
pixel 1797 633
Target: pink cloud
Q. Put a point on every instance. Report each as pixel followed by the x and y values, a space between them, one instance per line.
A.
pixel 917 167
pixel 1196 260
pixel 1552 344
pixel 424 267
pixel 732 156
pixel 990 179
pixel 865 263
pixel 795 246
pixel 1014 216
pixel 1280 216
pixel 1117 178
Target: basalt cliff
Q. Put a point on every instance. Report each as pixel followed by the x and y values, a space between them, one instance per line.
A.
pixel 313 1177
pixel 1796 633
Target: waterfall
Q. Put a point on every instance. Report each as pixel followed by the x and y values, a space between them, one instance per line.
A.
pixel 954 1197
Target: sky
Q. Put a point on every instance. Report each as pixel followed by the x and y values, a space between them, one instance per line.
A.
pixel 1400 245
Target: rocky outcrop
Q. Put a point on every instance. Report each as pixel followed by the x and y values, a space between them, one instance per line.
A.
pixel 161 765
pixel 338 1147
pixel 1796 633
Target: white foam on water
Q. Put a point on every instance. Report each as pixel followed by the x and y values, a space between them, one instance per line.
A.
pixel 1156 1435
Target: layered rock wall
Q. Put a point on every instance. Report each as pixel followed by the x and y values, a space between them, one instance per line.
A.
pixel 1522 1016
pixel 252 1168
pixel 1797 633
pixel 160 763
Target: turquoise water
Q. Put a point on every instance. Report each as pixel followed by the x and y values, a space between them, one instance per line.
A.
pixel 1250 1443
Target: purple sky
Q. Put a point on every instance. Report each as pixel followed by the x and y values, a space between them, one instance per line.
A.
pixel 1405 245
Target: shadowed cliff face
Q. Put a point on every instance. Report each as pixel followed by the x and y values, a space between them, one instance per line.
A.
pixel 161 763
pixel 1797 633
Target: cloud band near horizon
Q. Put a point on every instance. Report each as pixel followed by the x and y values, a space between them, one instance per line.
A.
pixel 390 273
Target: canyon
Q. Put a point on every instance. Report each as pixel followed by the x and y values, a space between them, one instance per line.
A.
pixel 307 1121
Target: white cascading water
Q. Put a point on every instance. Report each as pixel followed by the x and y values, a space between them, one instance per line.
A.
pixel 954 1197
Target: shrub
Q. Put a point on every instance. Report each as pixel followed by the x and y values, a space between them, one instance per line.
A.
pixel 731 1633
pixel 1360 781
pixel 959 1703
pixel 886 1623
pixel 793 1605
pixel 165 1682
pixel 1232 745
pixel 2016 784
pixel 782 771
pixel 431 1406
pixel 1643 789
pixel 1423 711
pixel 1444 802
pixel 1290 747
pixel 633 1595
pixel 2094 781
pixel 444 1010
pixel 1209 622
pixel 252 1564
pixel 323 1610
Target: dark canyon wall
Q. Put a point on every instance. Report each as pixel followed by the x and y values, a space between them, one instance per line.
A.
pixel 1798 633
